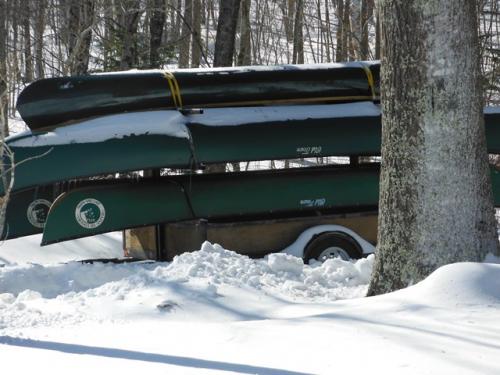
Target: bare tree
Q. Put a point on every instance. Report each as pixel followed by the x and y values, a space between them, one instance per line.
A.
pixel 131 14
pixel 196 37
pixel 28 56
pixel 80 24
pixel 185 42
pixel 436 203
pixel 245 53
pixel 4 97
pixel 226 32
pixel 39 31
pixel 156 26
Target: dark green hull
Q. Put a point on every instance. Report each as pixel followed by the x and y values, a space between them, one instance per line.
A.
pixel 92 210
pixel 279 138
pixel 27 212
pixel 54 101
pixel 246 141
pixel 232 197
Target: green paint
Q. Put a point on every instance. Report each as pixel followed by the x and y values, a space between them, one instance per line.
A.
pixel 147 202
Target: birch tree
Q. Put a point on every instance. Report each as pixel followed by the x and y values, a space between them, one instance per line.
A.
pixel 436 202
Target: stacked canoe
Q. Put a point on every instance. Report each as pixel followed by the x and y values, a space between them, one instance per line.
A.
pixel 105 124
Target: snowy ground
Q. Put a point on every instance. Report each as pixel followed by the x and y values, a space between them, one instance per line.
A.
pixel 216 312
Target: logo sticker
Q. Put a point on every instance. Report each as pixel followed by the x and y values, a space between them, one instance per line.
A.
pixel 90 213
pixel 320 202
pixel 38 211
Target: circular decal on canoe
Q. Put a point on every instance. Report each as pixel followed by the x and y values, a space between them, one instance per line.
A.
pixel 37 212
pixel 90 213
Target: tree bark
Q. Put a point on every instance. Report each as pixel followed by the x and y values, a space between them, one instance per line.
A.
pixel 377 35
pixel 356 29
pixel 81 64
pixel 28 56
pixel 196 38
pixel 366 15
pixel 185 42
pixel 39 30
pixel 298 35
pixel 245 53
pixel 132 13
pixel 436 203
pixel 226 32
pixel 156 25
pixel 288 10
pixel 4 97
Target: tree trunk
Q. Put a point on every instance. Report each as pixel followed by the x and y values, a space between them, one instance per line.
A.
pixel 298 35
pixel 377 35
pixel 366 15
pixel 28 57
pixel 108 58
pixel 288 10
pixel 226 32
pixel 132 13
pixel 4 97
pixel 185 41
pixel 327 33
pixel 245 54
pixel 196 38
pixel 156 25
pixel 339 53
pixel 39 29
pixel 356 29
pixel 436 202
pixel 82 57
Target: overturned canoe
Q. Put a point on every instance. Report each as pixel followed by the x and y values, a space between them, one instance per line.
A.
pixel 119 205
pixel 169 139
pixel 99 209
pixel 53 101
pixel 27 211
pixel 145 140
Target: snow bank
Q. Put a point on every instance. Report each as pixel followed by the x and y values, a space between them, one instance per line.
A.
pixel 202 284
pixel 460 284
pixel 279 274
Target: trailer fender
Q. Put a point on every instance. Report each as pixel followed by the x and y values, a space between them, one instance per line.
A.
pixel 297 248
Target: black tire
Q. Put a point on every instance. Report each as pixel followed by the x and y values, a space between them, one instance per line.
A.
pixel 331 244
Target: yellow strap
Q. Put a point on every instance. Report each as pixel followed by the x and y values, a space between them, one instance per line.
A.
pixel 371 81
pixel 174 89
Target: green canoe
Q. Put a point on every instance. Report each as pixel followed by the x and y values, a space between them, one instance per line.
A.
pixel 120 205
pixel 154 139
pixel 53 101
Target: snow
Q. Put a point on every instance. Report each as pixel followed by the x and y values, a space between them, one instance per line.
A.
pixel 213 311
pixel 252 68
pixel 254 115
pixel 492 109
pixel 170 123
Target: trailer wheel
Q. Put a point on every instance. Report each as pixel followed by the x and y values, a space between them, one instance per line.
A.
pixel 332 245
